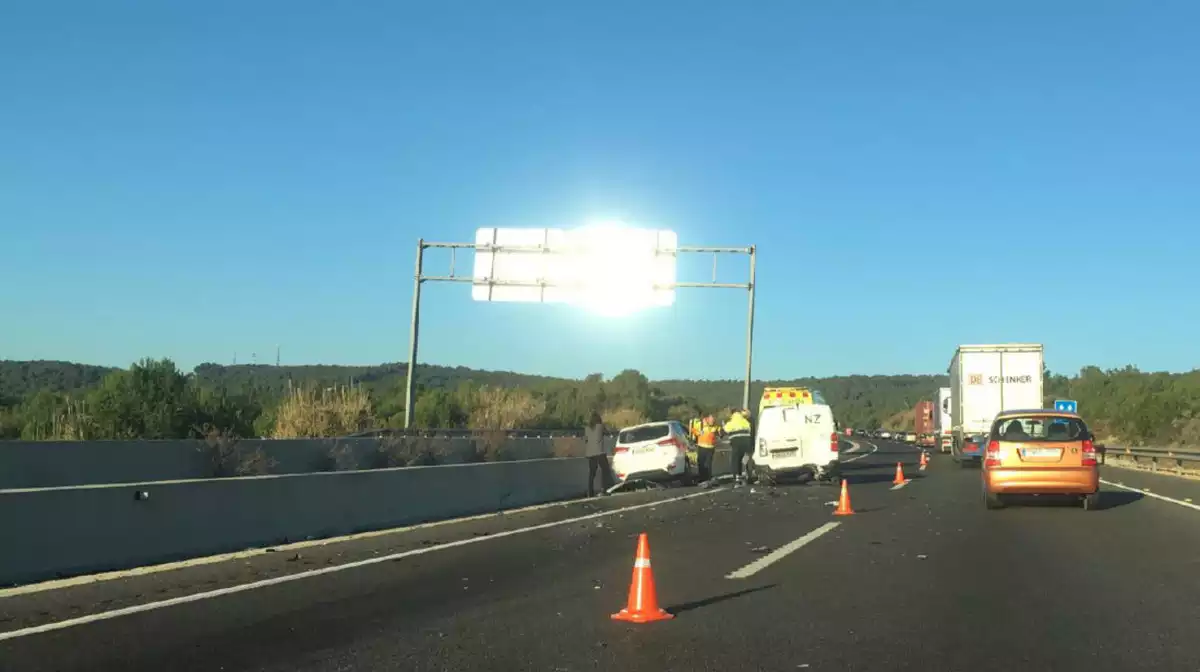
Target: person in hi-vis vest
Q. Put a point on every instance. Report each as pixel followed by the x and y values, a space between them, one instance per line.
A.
pixel 706 446
pixel 741 442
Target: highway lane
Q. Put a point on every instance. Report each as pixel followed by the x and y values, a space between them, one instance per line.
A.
pixel 920 578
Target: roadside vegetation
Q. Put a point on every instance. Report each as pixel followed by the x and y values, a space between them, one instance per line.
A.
pixel 153 399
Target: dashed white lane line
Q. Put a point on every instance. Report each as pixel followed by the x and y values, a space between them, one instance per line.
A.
pixel 859 457
pixel 780 553
pixel 196 597
pixel 901 485
pixel 1152 494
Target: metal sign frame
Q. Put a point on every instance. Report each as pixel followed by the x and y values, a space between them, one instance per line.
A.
pixel 419 278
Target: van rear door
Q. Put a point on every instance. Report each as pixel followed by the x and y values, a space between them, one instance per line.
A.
pixel 780 432
pixel 817 429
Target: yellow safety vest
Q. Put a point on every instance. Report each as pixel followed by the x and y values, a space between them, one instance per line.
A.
pixel 737 423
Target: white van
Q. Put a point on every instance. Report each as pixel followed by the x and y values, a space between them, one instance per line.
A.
pixel 796 442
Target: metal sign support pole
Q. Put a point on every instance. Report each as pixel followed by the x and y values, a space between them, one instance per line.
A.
pixel 749 331
pixel 412 337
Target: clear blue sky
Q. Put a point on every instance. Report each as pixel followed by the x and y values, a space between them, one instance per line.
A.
pixel 195 179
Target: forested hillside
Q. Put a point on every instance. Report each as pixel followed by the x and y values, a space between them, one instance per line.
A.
pixel 153 399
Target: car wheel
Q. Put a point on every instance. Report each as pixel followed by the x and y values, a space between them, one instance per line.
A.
pixel 992 501
pixel 1091 502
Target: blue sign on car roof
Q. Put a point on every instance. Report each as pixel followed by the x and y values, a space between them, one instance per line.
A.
pixel 1066 406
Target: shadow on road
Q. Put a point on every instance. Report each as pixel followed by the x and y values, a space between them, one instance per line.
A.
pixel 688 606
pixel 1108 500
pixel 1111 499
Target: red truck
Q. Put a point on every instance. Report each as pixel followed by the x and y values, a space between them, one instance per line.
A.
pixel 923 424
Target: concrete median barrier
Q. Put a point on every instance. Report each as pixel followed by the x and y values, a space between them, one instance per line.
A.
pixel 49 464
pixel 62 531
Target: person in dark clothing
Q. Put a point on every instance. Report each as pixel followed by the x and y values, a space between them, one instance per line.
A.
pixel 593 436
pixel 740 430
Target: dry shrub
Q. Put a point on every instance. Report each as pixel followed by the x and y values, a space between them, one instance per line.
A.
pixel 504 408
pixel 306 412
pixel 340 457
pixel 623 417
pixel 400 452
pixel 73 423
pixel 1188 430
pixel 227 457
pixel 489 446
pixel 567 446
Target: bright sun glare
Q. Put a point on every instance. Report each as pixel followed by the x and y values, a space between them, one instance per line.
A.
pixel 616 268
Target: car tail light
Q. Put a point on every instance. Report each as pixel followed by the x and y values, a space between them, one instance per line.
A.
pixel 1089 454
pixel 620 449
pixel 833 442
pixel 992 457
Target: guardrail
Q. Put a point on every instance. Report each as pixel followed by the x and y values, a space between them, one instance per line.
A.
pixel 1156 456
pixel 466 433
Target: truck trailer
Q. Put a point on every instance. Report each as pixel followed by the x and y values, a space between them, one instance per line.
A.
pixel 923 423
pixel 986 380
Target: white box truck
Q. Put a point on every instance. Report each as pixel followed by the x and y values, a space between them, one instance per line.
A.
pixel 988 379
pixel 941 420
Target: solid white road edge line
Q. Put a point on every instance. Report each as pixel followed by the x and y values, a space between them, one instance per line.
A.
pixel 780 553
pixel 900 485
pixel 207 595
pixel 859 457
pixel 1152 494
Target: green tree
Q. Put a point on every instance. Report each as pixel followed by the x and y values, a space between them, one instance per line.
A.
pixel 149 401
pixel 439 409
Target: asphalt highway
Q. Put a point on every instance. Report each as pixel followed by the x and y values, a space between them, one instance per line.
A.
pixel 922 577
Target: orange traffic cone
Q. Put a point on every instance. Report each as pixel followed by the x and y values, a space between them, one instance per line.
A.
pixel 643 601
pixel 924 461
pixel 843 507
pixel 899 479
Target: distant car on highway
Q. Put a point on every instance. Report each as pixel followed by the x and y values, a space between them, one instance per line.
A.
pixel 971 452
pixel 654 451
pixel 910 438
pixel 885 435
pixel 795 442
pixel 1040 452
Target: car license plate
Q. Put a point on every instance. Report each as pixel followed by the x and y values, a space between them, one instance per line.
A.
pixel 643 450
pixel 785 451
pixel 1041 452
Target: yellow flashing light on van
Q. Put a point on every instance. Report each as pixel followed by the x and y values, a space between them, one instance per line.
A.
pixel 786 396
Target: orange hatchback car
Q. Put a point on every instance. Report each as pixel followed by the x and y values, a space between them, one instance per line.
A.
pixel 1040 452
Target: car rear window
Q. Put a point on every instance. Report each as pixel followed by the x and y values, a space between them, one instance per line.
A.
pixel 1040 428
pixel 647 433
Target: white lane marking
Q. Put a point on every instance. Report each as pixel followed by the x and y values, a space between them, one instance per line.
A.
pixel 55 584
pixel 854 447
pixel 1152 494
pixel 196 597
pixel 780 553
pixel 859 457
pixel 901 485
